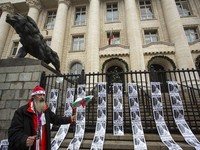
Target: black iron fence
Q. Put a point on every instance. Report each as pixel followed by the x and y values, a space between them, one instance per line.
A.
pixel 188 81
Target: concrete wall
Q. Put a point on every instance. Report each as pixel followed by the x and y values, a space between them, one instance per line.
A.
pixel 18 77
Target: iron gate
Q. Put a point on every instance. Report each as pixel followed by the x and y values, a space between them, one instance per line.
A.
pixel 188 81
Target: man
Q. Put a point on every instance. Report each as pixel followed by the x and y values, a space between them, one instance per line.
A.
pixel 30 126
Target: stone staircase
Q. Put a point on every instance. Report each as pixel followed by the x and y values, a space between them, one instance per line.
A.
pixel 126 141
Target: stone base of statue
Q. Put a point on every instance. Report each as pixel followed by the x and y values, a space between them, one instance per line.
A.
pixel 18 77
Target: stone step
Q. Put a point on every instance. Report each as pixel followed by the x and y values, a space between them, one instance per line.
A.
pixel 127 136
pixel 126 141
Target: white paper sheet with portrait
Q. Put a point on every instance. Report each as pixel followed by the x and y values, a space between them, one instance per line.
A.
pixel 99 136
pixel 137 129
pixel 178 114
pixel 80 121
pixel 161 126
pixel 62 131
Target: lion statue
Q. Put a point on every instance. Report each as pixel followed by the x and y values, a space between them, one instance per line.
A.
pixel 32 40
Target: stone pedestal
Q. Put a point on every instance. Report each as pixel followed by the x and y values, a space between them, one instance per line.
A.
pixel 18 77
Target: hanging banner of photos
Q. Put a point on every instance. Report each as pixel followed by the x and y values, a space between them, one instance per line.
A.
pixel 62 131
pixel 53 101
pixel 118 128
pixel 99 135
pixel 80 121
pixel 4 144
pixel 178 114
pixel 159 118
pixel 137 129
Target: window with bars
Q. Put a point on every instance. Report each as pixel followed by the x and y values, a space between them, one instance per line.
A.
pixel 112 13
pixel 78 43
pixel 14 49
pixel 151 36
pixel 116 38
pixel 146 9
pixel 183 7
pixel 191 34
pixel 51 17
pixel 80 16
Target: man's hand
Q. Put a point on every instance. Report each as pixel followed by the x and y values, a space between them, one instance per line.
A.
pixel 73 118
pixel 30 140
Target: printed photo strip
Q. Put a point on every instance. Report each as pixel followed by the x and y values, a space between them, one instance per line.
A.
pixel 161 126
pixel 137 129
pixel 118 128
pixel 53 101
pixel 63 130
pixel 80 120
pixel 178 114
pixel 99 136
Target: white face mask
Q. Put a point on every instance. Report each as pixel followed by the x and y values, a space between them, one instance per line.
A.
pixel 39 105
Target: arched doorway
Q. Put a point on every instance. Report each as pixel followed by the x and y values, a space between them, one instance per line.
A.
pixel 114 76
pixel 159 76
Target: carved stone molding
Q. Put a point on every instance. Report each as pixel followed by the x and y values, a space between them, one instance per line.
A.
pixel 161 52
pixel 34 3
pixel 194 42
pixel 114 45
pixel 72 62
pixel 158 43
pixel 7 7
pixel 67 2
pixel 91 0
pixel 195 50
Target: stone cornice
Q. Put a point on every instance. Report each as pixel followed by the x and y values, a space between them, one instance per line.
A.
pixel 111 55
pixel 194 42
pixel 158 43
pixel 7 7
pixel 91 0
pixel 195 51
pixel 161 52
pixel 114 45
pixel 67 2
pixel 34 3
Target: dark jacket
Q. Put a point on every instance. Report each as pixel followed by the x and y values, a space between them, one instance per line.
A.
pixel 22 127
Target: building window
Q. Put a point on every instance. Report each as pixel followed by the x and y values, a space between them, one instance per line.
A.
pixel 76 69
pixel 14 49
pixel 80 16
pixel 78 43
pixel 191 34
pixel 116 38
pixel 112 13
pixel 48 42
pixel 183 7
pixel 50 20
pixel 151 36
pixel 146 10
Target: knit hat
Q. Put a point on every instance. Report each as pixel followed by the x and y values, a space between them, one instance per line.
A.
pixel 38 90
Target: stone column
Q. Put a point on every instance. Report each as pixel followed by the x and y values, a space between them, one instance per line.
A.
pixel 134 36
pixel 177 34
pixel 34 9
pixel 58 36
pixel 4 26
pixel 93 38
pixel 197 3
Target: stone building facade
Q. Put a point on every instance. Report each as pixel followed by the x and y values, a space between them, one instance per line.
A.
pixel 163 33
